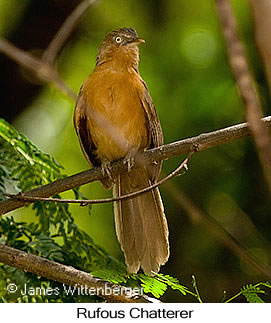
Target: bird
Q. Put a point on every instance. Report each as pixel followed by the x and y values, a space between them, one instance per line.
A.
pixel 115 118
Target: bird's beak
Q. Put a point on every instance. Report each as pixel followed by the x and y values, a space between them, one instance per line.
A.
pixel 138 41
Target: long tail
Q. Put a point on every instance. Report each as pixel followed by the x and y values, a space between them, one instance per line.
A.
pixel 141 224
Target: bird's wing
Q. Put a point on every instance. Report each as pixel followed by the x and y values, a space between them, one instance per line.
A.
pixel 84 134
pixel 83 131
pixel 154 128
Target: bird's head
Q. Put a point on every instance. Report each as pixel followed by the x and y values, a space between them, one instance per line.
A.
pixel 119 43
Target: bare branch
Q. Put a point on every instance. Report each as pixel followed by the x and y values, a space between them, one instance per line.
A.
pixel 43 71
pixel 244 81
pixel 22 197
pixel 198 143
pixel 69 275
pixel 64 32
pixel 261 10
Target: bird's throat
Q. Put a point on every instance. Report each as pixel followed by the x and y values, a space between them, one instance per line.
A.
pixel 121 59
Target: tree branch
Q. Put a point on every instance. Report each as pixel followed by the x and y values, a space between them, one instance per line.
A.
pixel 44 71
pixel 22 197
pixel 244 80
pixel 261 13
pixel 198 143
pixel 65 30
pixel 69 275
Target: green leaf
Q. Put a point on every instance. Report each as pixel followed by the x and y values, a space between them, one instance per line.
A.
pixel 172 282
pixel 152 285
pixel 251 293
pixel 252 297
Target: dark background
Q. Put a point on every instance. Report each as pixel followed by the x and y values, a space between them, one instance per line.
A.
pixel 185 65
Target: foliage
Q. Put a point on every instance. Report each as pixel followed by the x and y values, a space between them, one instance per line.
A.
pixel 156 285
pixel 54 235
pixel 251 292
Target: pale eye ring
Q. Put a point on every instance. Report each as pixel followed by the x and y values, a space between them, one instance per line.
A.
pixel 118 39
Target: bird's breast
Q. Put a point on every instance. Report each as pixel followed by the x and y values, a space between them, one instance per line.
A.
pixel 115 113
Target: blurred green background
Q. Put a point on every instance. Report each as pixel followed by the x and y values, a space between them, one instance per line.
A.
pixel 185 65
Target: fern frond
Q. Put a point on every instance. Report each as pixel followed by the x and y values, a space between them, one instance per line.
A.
pixel 152 285
pixel 250 292
pixel 172 282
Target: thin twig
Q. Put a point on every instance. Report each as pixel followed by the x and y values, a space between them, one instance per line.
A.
pixel 198 143
pixel 194 284
pixel 44 72
pixel 244 81
pixel 64 32
pixel 176 172
pixel 70 276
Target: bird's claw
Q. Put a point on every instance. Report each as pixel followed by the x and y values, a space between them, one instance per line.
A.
pixel 129 160
pixel 107 169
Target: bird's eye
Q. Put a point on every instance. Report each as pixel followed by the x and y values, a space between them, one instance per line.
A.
pixel 118 40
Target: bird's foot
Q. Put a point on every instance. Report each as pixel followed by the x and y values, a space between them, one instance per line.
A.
pixel 107 169
pixel 129 159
